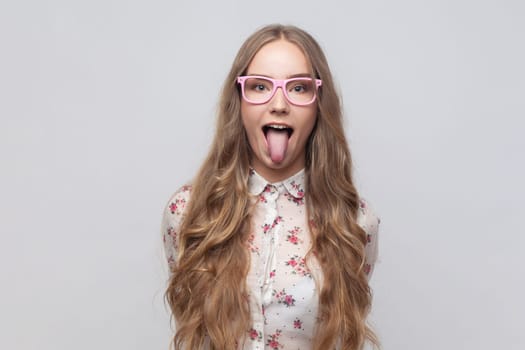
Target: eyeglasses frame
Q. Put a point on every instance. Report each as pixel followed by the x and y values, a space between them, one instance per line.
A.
pixel 278 83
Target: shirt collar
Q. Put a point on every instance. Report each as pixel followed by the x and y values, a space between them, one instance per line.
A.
pixel 294 184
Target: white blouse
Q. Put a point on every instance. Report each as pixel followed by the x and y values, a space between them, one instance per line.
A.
pixel 282 284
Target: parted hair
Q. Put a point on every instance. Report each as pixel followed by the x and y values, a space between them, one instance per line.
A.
pixel 207 290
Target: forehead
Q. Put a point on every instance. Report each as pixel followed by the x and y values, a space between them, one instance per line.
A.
pixel 279 59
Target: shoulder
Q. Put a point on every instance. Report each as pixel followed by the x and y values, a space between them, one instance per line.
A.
pixel 178 201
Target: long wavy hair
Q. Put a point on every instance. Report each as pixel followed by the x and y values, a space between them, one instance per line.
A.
pixel 207 290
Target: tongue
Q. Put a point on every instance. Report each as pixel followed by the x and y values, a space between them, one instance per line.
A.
pixel 277 144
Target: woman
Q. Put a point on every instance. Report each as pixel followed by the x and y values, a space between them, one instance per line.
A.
pixel 271 247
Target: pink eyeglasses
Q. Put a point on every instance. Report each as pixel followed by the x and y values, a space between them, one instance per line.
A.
pixel 300 91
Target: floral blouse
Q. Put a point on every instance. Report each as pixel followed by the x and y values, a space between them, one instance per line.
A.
pixel 282 284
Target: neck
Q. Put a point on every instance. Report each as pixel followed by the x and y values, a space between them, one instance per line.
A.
pixel 273 175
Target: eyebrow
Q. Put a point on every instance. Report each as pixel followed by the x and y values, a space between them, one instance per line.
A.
pixel 299 75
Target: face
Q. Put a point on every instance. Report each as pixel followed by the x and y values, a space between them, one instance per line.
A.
pixel 278 130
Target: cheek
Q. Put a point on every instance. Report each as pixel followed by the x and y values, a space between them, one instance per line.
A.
pixel 246 120
pixel 250 119
pixel 309 122
pixel 244 114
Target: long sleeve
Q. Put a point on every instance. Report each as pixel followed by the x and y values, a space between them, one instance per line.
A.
pixel 369 221
pixel 171 222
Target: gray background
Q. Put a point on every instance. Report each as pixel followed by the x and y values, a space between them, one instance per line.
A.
pixel 107 107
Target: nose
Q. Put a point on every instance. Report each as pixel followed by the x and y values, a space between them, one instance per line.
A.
pixel 279 104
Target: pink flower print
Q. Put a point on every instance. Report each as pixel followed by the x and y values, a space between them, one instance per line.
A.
pixel 255 334
pixel 273 340
pixel 299 266
pixel 289 300
pixel 251 244
pixel 283 298
pixel 293 236
pixel 178 205
pixel 267 190
pixel 297 324
pixel 297 187
pixel 266 228
pixel 292 262
pixel 298 201
pixel 272 274
pixel 171 232
pixel 277 294
pixel 277 220
pixel 292 239
pixel 367 268
pixel 170 239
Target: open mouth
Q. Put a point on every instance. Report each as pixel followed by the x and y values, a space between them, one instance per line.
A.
pixel 278 128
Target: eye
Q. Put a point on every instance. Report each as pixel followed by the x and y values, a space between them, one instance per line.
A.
pixel 299 87
pixel 258 85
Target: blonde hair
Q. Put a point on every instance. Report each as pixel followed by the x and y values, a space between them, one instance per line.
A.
pixel 207 290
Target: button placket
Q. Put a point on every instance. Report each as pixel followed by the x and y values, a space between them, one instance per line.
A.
pixel 271 195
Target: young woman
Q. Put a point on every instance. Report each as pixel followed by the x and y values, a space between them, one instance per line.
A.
pixel 271 246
